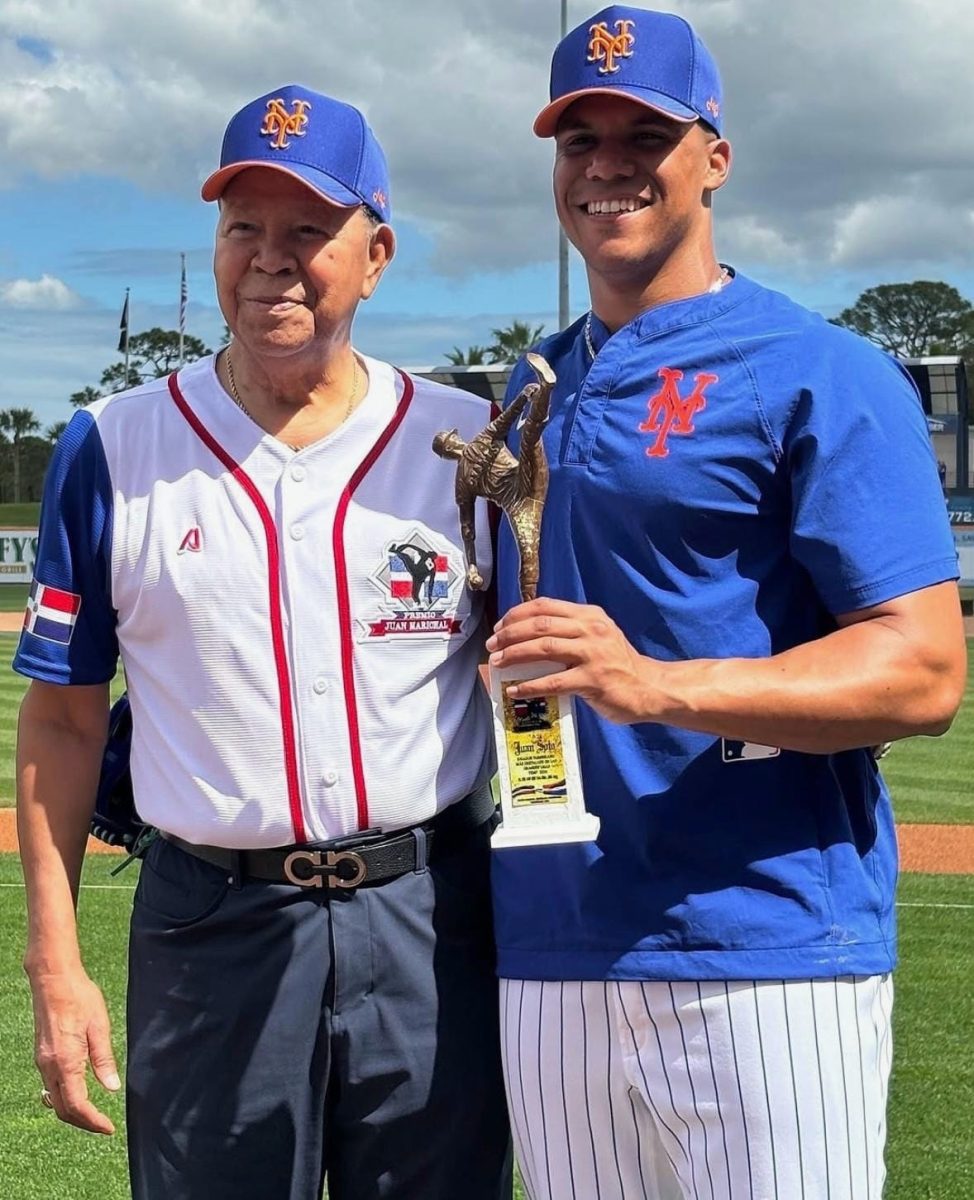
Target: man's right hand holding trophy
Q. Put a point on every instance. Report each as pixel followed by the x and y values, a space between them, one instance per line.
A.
pixel 541 793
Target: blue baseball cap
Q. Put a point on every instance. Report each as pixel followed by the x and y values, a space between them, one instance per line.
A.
pixel 323 142
pixel 654 58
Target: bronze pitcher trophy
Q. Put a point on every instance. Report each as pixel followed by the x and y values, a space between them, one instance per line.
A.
pixel 537 750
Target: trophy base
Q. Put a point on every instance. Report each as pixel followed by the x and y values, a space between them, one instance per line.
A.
pixel 538 771
pixel 550 835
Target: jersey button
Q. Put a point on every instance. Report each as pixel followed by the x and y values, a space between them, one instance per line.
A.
pixel 329 778
pixel 320 685
pixel 297 532
pixel 298 472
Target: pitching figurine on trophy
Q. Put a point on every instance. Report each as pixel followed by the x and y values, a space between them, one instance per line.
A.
pixel 537 751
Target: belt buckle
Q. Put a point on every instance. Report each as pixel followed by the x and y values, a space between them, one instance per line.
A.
pixel 329 862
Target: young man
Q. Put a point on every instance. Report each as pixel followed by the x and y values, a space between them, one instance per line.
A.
pixel 311 988
pixel 698 1004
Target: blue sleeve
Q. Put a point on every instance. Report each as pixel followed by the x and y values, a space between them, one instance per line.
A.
pixel 869 520
pixel 73 560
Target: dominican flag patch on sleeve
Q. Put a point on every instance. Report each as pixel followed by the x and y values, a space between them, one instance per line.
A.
pixel 51 613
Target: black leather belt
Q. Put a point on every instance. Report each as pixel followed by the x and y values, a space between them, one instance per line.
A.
pixel 360 859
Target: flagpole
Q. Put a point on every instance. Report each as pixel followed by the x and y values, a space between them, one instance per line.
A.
pixel 182 306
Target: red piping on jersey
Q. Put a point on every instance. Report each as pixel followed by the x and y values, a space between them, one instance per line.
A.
pixel 344 603
pixel 274 587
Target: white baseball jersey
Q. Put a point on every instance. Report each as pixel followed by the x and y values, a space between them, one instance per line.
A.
pixel 299 645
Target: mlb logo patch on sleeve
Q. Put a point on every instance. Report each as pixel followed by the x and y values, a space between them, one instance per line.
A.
pixel 51 613
pixel 734 751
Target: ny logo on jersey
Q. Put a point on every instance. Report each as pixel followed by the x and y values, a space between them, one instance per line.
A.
pixel 279 123
pixel 605 47
pixel 192 541
pixel 669 412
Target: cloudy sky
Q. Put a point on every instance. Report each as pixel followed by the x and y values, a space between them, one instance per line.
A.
pixel 854 158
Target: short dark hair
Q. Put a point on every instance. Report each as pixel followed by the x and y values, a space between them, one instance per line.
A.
pixel 372 216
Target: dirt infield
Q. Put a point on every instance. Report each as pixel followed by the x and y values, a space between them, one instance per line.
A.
pixel 8 836
pixel 937 849
pixel 933 849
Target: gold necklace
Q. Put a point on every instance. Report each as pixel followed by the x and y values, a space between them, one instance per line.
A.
pixel 721 281
pixel 235 395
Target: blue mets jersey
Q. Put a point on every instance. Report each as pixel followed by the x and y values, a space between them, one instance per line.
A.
pixel 727 474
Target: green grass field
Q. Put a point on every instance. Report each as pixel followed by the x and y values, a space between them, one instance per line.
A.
pixel 930 1154
pixel 932 779
pixel 13 596
pixel 12 688
pixel 19 516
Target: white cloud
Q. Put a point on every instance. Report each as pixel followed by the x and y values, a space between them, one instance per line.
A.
pixel 875 230
pixel 829 106
pixel 743 238
pixel 44 293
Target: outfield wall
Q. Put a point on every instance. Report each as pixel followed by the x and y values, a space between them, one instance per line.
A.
pixel 18 549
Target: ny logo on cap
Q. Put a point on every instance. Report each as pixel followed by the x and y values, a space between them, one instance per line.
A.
pixel 713 108
pixel 279 122
pixel 605 47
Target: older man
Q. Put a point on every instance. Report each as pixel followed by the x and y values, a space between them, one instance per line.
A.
pixel 698 1005
pixel 310 986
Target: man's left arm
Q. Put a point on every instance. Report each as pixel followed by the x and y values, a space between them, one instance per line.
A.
pixel 889 671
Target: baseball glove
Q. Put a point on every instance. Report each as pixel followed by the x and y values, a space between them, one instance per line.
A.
pixel 115 819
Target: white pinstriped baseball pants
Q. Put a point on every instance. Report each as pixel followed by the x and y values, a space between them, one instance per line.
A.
pixel 699 1091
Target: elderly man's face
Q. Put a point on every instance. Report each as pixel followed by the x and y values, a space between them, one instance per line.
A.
pixel 291 268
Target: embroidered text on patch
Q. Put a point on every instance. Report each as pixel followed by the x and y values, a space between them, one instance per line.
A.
pixel 605 47
pixel 51 613
pixel 279 123
pixel 669 412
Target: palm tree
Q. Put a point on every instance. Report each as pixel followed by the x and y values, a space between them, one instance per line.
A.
pixel 512 341
pixel 473 356
pixel 53 432
pixel 87 395
pixel 18 423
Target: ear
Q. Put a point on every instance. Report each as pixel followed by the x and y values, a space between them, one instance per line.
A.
pixel 718 164
pixel 382 248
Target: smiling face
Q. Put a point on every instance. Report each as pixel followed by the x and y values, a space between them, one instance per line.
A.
pixel 632 190
pixel 290 268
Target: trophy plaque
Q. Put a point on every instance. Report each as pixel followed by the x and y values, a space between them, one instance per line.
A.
pixel 537 750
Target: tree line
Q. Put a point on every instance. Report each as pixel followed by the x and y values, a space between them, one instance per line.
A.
pixel 910 320
pixel 25 449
